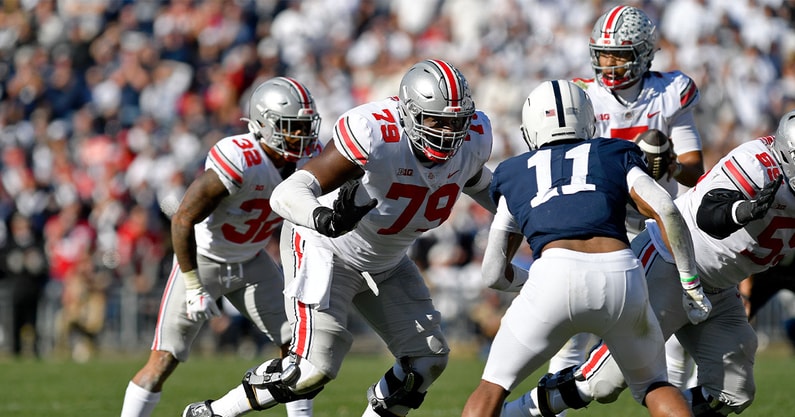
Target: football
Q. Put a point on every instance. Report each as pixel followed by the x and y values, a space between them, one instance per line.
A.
pixel 657 147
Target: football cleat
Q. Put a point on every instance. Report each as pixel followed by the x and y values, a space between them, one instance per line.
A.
pixel 201 409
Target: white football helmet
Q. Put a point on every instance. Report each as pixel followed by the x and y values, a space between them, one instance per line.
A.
pixel 623 29
pixel 557 110
pixel 434 88
pixel 784 147
pixel 282 115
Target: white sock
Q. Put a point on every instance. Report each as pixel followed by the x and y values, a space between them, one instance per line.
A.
pixel 138 402
pixel 520 407
pixel 234 403
pixel 299 408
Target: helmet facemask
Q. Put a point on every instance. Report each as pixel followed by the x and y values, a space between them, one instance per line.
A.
pixel 292 137
pixel 438 135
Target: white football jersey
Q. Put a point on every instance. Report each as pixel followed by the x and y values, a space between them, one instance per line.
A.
pixel 761 243
pixel 412 198
pixel 663 97
pixel 243 222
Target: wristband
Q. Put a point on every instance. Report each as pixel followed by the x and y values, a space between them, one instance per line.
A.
pixel 191 279
pixel 690 282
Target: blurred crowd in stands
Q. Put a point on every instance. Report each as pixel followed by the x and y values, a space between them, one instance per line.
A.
pixel 108 107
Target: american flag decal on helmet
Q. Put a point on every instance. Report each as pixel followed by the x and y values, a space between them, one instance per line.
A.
pixel 452 83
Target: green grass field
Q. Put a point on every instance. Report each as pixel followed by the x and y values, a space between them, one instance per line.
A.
pixel 30 388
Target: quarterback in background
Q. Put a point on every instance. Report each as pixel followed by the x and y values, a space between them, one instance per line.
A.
pixel 631 101
pixel 219 234
pixel 393 170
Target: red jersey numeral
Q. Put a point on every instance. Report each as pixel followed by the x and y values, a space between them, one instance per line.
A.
pixel 389 130
pixel 258 229
pixel 438 208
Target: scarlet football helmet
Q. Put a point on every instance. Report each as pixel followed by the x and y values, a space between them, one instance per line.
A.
pixel 557 110
pixel 282 115
pixel 623 29
pixel 784 147
pixel 433 88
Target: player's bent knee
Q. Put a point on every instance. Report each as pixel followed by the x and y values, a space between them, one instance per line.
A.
pixel 403 386
pixel 287 380
pixel 606 391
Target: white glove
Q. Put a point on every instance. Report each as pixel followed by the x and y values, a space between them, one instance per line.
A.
pixel 696 304
pixel 200 305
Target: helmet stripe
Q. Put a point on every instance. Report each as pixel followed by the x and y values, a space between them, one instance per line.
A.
pixel 612 20
pixel 451 81
pixel 301 91
pixel 559 103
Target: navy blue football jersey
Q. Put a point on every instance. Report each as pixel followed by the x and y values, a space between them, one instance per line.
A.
pixel 569 190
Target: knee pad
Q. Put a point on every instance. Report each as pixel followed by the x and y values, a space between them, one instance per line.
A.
pixel 565 382
pixel 405 387
pixel 283 381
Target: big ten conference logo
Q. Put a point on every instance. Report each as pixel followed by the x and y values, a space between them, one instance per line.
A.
pixel 405 172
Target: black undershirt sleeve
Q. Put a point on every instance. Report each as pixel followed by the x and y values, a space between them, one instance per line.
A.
pixel 714 214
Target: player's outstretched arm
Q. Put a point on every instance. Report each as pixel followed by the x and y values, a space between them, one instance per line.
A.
pixel 295 199
pixel 478 188
pixel 653 201
pixel 504 240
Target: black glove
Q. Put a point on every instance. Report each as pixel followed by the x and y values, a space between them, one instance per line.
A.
pixel 345 215
pixel 756 209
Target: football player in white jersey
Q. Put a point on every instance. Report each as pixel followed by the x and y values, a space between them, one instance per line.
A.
pixel 584 277
pixel 219 234
pixel 741 223
pixel 393 170
pixel 629 99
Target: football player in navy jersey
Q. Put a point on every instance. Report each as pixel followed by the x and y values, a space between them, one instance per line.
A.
pixel 567 197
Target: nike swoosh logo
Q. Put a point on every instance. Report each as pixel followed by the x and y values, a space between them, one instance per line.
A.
pixel 650 115
pixel 453 173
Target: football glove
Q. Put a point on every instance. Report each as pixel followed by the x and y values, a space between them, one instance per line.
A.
pixel 345 214
pixel 201 306
pixel 756 209
pixel 696 304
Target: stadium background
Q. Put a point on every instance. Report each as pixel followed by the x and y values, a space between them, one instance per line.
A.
pixel 108 107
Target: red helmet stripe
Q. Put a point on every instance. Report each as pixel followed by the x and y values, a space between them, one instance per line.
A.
pixel 612 19
pixel 301 91
pixel 450 80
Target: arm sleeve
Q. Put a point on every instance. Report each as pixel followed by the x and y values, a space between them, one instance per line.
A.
pixel 716 213
pixel 675 227
pixel 495 259
pixel 295 199
pixel 479 189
